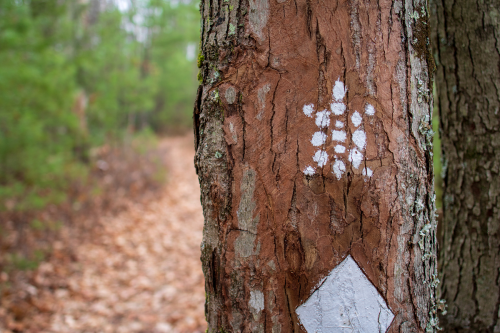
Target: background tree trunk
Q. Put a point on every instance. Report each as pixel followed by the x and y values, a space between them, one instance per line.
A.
pixel 313 143
pixel 466 35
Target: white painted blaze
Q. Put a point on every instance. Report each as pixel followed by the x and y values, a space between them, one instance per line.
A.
pixel 353 147
pixel 339 149
pixel 323 119
pixel 359 139
pixel 356 119
pixel 367 172
pixel 338 169
pixel 345 302
pixel 339 136
pixel 338 108
pixel 309 170
pixel 308 110
pixel 321 157
pixel 369 110
pixel 339 91
pixel 355 157
pixel 318 139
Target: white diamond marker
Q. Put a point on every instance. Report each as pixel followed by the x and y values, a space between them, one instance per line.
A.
pixel 345 302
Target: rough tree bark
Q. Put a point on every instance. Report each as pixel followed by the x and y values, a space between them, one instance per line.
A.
pixel 467 50
pixel 313 148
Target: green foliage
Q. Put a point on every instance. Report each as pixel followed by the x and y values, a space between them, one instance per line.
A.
pixel 438 179
pixel 437 154
pixel 77 74
pixel 37 133
pixel 36 224
pixel 201 59
pixel 178 32
pixel 24 263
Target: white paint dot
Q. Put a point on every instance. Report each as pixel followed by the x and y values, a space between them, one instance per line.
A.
pixel 359 138
pixel 318 139
pixel 369 110
pixel 339 91
pixel 339 136
pixel 367 172
pixel 355 157
pixel 309 171
pixel 338 169
pixel 339 124
pixel 339 149
pixel 308 109
pixel 321 157
pixel 323 119
pixel 338 108
pixel 356 119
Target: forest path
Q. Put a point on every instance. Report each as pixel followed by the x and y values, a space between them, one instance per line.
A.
pixel 142 272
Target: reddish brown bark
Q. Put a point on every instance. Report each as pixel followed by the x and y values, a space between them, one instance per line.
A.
pixel 272 231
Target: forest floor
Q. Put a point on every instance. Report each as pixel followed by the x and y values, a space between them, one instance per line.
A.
pixel 138 271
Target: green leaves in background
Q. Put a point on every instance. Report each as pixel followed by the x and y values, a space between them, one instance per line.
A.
pixel 76 74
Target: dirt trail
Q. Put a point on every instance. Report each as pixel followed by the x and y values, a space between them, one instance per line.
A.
pixel 142 273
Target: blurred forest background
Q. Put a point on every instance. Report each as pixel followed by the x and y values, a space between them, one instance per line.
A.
pixel 77 74
pixel 88 89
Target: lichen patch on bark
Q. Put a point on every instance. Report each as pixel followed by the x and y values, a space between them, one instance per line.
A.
pixel 258 16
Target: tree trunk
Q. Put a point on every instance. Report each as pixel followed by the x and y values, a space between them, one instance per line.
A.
pixel 466 35
pixel 313 151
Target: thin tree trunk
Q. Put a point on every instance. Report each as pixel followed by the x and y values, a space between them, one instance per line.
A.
pixel 468 85
pixel 313 151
